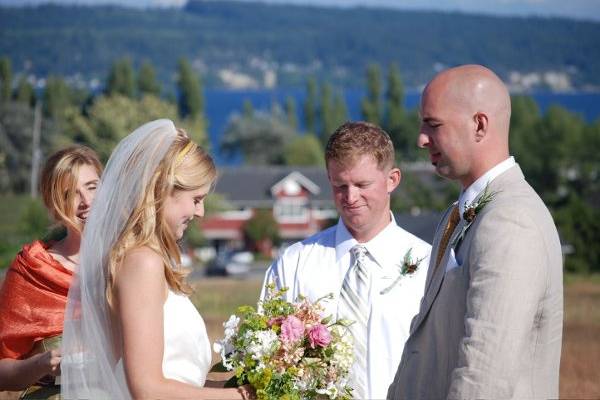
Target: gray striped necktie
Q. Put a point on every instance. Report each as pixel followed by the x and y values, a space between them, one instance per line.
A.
pixel 354 305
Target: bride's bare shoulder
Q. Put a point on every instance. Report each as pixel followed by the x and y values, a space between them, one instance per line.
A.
pixel 142 261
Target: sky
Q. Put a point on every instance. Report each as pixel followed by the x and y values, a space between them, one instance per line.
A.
pixel 577 9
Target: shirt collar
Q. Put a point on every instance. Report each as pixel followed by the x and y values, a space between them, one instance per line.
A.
pixel 468 195
pixel 378 247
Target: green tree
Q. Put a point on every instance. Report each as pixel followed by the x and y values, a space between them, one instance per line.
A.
pixel 290 112
pixel 247 108
pixel 190 98
pixel 16 130
pixel 121 79
pixel 310 105
pixel 402 126
pixel 147 83
pixel 262 227
pixel 371 106
pixel 340 111
pixel 5 79
pixel 260 139
pixel 24 93
pixel 305 150
pixel 328 123
pixel 525 114
pixel 579 226
pixel 57 97
pixel 111 118
pixel 394 98
pixel 34 219
pixel 545 150
pixel 577 210
pixel 584 153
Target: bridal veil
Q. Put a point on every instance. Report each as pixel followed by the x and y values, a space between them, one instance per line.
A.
pixel 89 365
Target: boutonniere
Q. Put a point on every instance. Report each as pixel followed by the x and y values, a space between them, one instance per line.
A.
pixel 408 267
pixel 471 212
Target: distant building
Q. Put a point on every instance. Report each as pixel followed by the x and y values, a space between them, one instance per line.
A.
pixel 300 198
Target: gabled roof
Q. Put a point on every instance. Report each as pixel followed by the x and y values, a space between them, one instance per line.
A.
pixel 300 180
pixel 251 186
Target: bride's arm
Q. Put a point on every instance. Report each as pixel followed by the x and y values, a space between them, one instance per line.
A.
pixel 141 291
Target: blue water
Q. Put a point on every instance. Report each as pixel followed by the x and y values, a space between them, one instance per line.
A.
pixel 222 104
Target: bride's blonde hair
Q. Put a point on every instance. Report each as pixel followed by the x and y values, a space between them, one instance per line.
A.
pixel 185 166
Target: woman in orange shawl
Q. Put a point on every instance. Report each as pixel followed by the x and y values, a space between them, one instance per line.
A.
pixel 34 292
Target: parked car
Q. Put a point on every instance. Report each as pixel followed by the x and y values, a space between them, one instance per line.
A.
pixel 230 263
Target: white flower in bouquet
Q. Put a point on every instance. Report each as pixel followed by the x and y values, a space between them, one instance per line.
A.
pixel 261 344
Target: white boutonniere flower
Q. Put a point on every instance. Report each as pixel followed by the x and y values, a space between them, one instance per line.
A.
pixel 408 267
pixel 471 212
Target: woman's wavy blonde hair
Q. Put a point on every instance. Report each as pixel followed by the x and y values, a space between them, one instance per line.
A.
pixel 185 166
pixel 58 183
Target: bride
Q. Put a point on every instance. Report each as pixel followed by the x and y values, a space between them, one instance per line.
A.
pixel 130 329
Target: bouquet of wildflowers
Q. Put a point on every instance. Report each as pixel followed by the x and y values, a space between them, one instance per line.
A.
pixel 288 350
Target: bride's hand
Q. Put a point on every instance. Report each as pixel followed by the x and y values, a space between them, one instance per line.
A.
pixel 247 392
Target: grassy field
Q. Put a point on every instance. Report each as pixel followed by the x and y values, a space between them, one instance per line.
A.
pixel 216 299
pixel 580 360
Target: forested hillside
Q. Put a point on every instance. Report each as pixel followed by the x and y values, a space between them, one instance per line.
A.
pixel 292 42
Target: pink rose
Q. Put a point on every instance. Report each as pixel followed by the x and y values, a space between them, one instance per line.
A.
pixel 319 336
pixel 292 329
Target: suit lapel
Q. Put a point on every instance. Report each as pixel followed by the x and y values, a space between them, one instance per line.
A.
pixel 436 276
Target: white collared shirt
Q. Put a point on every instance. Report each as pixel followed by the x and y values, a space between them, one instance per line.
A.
pixel 317 266
pixel 472 192
pixel 468 195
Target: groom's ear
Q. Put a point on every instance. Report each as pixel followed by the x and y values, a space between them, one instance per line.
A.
pixel 480 121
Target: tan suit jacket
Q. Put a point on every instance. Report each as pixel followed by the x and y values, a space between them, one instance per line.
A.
pixel 491 327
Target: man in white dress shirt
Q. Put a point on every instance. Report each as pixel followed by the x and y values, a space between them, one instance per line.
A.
pixel 360 165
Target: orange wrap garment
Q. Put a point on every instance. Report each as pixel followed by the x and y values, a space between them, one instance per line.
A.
pixel 32 300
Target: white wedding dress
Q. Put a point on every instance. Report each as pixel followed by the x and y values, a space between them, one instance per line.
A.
pixel 187 354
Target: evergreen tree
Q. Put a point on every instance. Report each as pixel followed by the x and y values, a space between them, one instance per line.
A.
pixel 190 101
pixel 57 97
pixel 24 93
pixel 310 105
pixel 340 111
pixel 328 122
pixel 121 79
pixel 395 99
pixel 525 115
pixel 371 107
pixel 147 83
pixel 545 156
pixel 5 79
pixel 247 108
pixel 401 126
pixel 290 112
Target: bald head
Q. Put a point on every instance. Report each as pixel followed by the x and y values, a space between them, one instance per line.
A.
pixel 466 117
pixel 475 88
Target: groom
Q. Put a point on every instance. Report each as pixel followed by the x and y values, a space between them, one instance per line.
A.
pixel 490 325
pixel 361 260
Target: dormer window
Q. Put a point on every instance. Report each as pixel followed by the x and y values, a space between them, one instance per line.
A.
pixel 291 210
